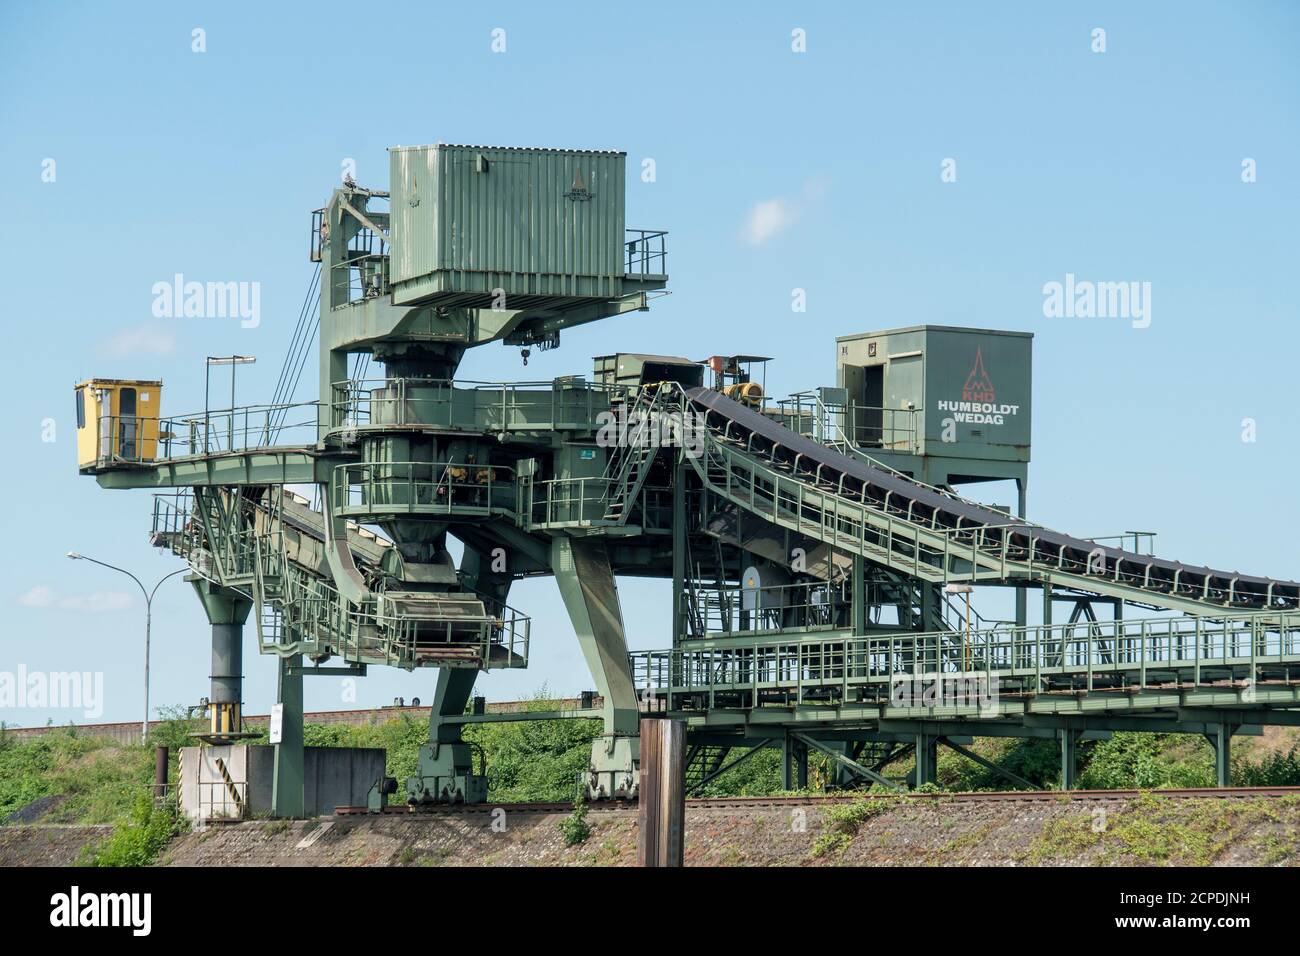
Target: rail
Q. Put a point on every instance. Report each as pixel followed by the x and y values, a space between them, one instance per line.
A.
pixel 733 610
pixel 442 488
pixel 138 440
pixel 857 426
pixel 571 502
pixel 646 254
pixel 461 404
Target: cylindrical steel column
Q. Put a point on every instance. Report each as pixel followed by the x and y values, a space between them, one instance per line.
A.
pixel 227 677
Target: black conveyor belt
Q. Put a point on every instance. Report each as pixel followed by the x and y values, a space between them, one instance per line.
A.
pixel 953 508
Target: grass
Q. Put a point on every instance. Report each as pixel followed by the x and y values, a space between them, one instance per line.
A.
pixel 1155 830
pixel 101 782
pixel 841 822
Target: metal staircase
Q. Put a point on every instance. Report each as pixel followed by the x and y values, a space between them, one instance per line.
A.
pixel 654 410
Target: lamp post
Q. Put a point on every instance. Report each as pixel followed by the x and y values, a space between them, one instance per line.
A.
pixel 965 589
pixel 148 621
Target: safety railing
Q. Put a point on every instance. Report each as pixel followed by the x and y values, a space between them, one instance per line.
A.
pixel 132 439
pixel 439 488
pixel 646 254
pixel 564 404
pixel 735 610
pixel 129 439
pixel 1136 649
pixel 572 502
pixel 1138 542
pixel 834 424
pixel 173 523
pixel 302 613
pixel 194 528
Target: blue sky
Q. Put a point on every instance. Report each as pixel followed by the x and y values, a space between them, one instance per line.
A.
pixel 1117 166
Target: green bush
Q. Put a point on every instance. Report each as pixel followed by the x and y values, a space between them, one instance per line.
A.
pixel 138 841
pixel 1275 770
pixel 575 827
pixel 1148 761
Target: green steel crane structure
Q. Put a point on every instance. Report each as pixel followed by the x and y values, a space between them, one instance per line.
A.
pixel 814 546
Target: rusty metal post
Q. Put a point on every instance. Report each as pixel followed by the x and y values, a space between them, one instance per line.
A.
pixel 160 773
pixel 662 811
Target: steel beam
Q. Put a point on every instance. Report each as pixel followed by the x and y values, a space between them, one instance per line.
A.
pixel 988 764
pixel 288 798
pixel 849 764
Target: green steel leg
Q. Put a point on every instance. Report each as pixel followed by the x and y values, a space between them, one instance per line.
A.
pixel 1069 739
pixel 444 767
pixel 859 595
pixel 586 581
pixel 787 755
pixel 679 551
pixel 287 796
pixel 926 759
pixel 1221 740
pixel 931 623
pixel 1022 598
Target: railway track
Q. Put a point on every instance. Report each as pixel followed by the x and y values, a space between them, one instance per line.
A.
pixel 742 803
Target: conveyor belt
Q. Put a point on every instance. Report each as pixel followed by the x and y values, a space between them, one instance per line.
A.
pixel 1148 577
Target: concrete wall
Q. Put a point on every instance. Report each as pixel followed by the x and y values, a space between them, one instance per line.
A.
pixel 333 777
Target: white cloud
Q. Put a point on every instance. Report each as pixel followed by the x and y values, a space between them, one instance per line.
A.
pixel 768 218
pixel 98 601
pixel 773 216
pixel 40 596
pixel 43 596
pixel 149 339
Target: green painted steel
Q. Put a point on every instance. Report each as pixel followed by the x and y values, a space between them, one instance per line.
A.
pixel 943 392
pixel 474 221
pixel 803 607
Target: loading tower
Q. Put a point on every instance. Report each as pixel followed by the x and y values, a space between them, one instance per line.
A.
pixel 814 545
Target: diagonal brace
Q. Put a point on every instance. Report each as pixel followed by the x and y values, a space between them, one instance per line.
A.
pixel 851 765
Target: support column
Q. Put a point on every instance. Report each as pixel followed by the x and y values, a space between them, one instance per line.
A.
pixel 287 790
pixel 1047 638
pixel 227 611
pixel 444 767
pixel 927 760
pixel 1022 599
pixel 1221 740
pixel 787 754
pixel 679 552
pixel 586 581
pixel 931 623
pixel 859 595
pixel 1069 739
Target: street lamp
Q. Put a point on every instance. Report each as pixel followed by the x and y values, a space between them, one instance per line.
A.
pixel 148 620
pixel 965 589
